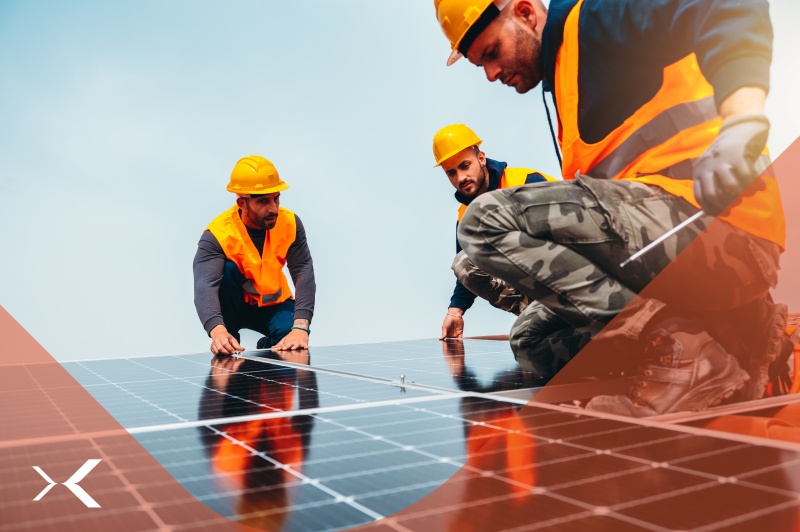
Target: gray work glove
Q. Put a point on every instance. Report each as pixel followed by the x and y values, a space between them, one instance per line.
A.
pixel 728 166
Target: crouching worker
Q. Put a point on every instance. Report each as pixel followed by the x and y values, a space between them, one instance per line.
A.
pixel 638 160
pixel 455 148
pixel 238 269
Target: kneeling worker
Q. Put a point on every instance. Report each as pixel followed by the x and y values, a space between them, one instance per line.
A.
pixel 455 148
pixel 238 269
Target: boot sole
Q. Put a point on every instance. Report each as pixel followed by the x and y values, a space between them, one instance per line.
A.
pixel 714 392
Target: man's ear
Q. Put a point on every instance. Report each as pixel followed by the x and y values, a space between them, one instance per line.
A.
pixel 524 9
pixel 241 203
pixel 482 158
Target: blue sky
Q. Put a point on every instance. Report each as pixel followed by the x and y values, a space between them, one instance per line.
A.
pixel 122 122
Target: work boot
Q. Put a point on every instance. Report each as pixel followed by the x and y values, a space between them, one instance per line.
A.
pixel 684 369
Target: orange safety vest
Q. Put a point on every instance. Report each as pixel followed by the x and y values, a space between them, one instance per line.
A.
pixel 512 177
pixel 657 143
pixel 266 283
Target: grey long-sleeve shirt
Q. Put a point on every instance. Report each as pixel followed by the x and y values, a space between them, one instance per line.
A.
pixel 209 264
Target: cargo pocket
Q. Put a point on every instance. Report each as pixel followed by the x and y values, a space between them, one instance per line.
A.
pixel 605 210
pixel 765 255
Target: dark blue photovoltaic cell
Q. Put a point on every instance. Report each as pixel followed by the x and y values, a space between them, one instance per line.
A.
pixel 468 365
pixel 154 391
pixel 348 467
pixel 334 460
pixel 341 436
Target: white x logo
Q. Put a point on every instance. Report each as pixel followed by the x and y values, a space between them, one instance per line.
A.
pixel 72 483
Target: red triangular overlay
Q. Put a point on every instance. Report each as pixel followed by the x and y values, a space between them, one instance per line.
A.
pixel 52 422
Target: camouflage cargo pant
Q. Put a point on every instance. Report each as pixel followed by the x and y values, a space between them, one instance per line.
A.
pixel 561 244
pixel 496 291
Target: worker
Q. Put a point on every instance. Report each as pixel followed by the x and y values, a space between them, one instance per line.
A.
pixel 455 148
pixel 238 268
pixel 660 107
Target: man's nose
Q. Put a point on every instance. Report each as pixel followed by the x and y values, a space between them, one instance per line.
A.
pixel 492 73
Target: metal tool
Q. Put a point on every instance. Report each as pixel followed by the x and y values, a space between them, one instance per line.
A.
pixel 660 239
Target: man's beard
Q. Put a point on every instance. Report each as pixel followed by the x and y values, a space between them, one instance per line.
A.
pixel 481 184
pixel 528 51
pixel 268 223
pixel 265 224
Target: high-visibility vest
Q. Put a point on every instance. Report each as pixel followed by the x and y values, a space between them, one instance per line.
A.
pixel 657 143
pixel 266 283
pixel 512 177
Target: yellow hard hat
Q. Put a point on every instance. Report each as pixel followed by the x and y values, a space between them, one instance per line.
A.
pixel 462 21
pixel 255 175
pixel 452 139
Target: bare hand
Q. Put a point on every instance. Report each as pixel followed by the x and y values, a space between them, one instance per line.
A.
pixel 296 339
pixel 224 343
pixel 453 325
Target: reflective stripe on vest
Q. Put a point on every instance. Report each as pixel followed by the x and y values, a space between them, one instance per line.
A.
pixel 659 141
pixel 512 177
pixel 266 283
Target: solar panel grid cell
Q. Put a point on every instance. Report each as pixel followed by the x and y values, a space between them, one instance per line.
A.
pixel 408 434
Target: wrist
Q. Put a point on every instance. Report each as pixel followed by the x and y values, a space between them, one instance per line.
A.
pixel 455 312
pixel 217 329
pixel 743 101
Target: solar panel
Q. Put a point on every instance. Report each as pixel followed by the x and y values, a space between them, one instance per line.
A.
pixel 418 435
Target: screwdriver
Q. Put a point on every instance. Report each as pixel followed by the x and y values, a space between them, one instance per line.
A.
pixel 660 239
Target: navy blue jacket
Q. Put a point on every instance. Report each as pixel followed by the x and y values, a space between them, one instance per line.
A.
pixel 624 46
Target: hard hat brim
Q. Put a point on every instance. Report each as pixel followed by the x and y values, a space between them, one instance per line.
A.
pixel 271 190
pixel 454 56
pixel 452 153
pixel 461 46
